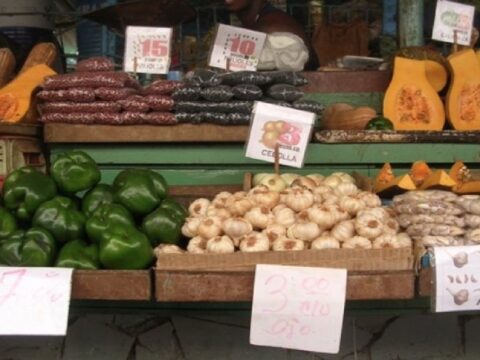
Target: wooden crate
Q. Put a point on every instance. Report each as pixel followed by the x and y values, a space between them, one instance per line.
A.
pixel 111 285
pixel 425 282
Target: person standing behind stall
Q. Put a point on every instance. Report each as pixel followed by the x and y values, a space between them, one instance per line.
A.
pixel 260 15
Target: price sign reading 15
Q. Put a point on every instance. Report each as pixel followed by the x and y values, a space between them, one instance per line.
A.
pixel 236 48
pixel 147 49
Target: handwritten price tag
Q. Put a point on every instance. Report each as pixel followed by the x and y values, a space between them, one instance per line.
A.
pixel 289 128
pixel 34 301
pixel 457 278
pixel 236 48
pixel 451 16
pixel 147 49
pixel 298 307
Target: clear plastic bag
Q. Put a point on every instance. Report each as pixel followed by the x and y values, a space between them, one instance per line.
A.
pixel 246 77
pixel 217 93
pixel 95 64
pixel 284 92
pixel 189 93
pixel 247 92
pixel 309 105
pixel 203 78
pixel 80 95
pixel 71 107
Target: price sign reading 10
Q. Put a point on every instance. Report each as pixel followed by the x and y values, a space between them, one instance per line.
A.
pixel 147 49
pixel 236 49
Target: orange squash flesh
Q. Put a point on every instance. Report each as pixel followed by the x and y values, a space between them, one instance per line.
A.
pixel 419 172
pixel 460 173
pixel 436 74
pixel 15 97
pixel 410 102
pixel 388 185
pixel 463 98
pixel 439 180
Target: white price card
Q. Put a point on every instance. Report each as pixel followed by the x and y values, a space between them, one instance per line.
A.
pixel 147 49
pixel 457 278
pixel 287 127
pixel 34 301
pixel 298 307
pixel 236 49
pixel 450 17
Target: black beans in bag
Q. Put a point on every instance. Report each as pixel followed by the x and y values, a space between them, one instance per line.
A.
pixel 287 77
pixel 242 107
pixel 284 92
pixel 204 78
pixel 189 93
pixel 309 105
pixel 217 93
pixel 194 118
pixel 246 77
pixel 247 92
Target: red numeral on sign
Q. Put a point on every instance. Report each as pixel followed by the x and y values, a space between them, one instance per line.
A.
pixel 244 47
pixel 155 48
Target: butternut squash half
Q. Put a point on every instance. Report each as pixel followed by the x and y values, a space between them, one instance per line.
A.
pixel 411 103
pixel 463 98
pixel 16 96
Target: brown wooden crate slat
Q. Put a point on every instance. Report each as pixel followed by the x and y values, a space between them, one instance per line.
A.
pixel 346 81
pixel 425 282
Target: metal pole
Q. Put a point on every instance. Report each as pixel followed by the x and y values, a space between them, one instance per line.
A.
pixel 410 22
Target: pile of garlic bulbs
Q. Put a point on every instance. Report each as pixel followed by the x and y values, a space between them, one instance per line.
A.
pixel 312 213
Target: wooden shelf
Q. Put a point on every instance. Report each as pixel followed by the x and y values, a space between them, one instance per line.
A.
pixel 69 133
pixel 30 130
pixel 111 285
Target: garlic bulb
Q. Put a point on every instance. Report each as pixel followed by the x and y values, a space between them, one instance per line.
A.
pixel 473 235
pixel 289 178
pixel 473 207
pixel 306 231
pixel 332 181
pixel 262 196
pixel 304 182
pixel 368 226
pixel 273 182
pixel 199 207
pixel 284 244
pixel 221 198
pixel 257 178
pixel 345 189
pixel 344 230
pixel 379 212
pixel 236 227
pixel 384 241
pixel 220 245
pixel 168 249
pixel 371 200
pixel 317 178
pixel 340 215
pixel 472 221
pixel 357 242
pixel 391 226
pixel 218 210
pixel 330 199
pixel 322 216
pixel 279 208
pixel 277 229
pixel 254 243
pixel 403 240
pixel 190 227
pixel 430 241
pixel 284 216
pixel 259 217
pixel 344 177
pixel 351 204
pixel 299 199
pixel 240 195
pixel 319 191
pixel 238 206
pixel 197 245
pixel 325 242
pixel 210 227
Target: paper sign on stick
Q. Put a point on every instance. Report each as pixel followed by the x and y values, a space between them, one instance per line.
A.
pixel 298 307
pixel 147 49
pixel 289 128
pixel 457 278
pixel 34 301
pixel 450 17
pixel 236 48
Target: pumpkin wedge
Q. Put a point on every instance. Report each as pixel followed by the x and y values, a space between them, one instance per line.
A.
pixel 419 172
pixel 439 180
pixel 410 102
pixel 387 184
pixel 463 98
pixel 16 96
pixel 464 184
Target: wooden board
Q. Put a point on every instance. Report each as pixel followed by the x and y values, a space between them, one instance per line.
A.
pixel 364 136
pixel 69 133
pixel 185 286
pixel 425 282
pixel 346 81
pixel 20 130
pixel 111 285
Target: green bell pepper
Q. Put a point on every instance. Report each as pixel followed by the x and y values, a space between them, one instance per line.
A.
pixel 139 190
pixel 8 223
pixel 25 189
pixel 99 195
pixel 78 254
pixel 162 226
pixel 106 217
pixel 74 171
pixel 175 209
pixel 35 247
pixel 125 248
pixel 61 217
pixel 379 123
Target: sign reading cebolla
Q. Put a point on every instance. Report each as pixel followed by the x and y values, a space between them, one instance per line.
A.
pixel 147 49
pixel 289 128
pixel 450 17
pixel 236 48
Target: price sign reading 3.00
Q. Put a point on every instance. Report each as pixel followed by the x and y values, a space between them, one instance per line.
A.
pixel 236 48
pixel 147 49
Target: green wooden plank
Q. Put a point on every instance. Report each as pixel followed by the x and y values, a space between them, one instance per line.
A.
pixel 317 154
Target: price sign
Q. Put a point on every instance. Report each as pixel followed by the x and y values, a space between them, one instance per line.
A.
pixel 147 49
pixel 236 48
pixel 457 278
pixel 298 307
pixel 34 301
pixel 450 17
pixel 289 128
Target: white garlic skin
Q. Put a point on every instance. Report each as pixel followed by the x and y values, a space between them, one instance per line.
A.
pixel 220 245
pixel 255 243
pixel 322 216
pixel 325 242
pixel 236 227
pixel 284 244
pixel 299 199
pixel 307 231
pixel 168 249
pixel 190 227
pixel 197 245
pixel 343 231
pixel 357 242
pixel 284 216
pixel 368 226
pixel 199 207
pixel 210 227
pixel 259 217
